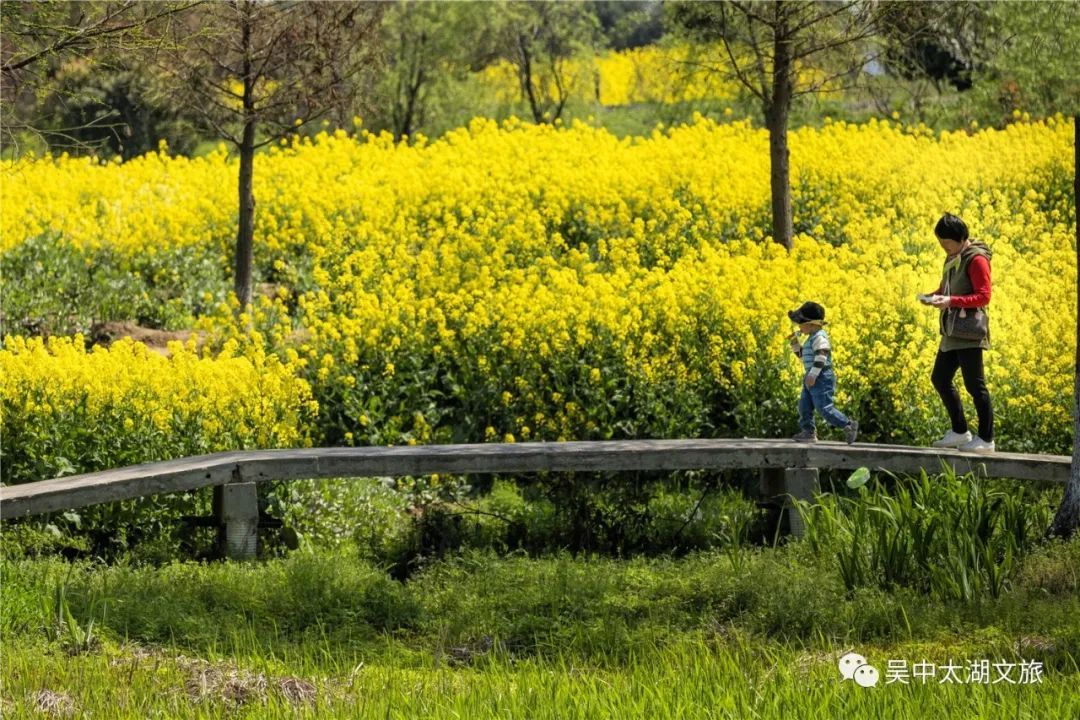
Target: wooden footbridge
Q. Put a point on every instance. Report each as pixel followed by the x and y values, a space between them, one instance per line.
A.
pixel 788 470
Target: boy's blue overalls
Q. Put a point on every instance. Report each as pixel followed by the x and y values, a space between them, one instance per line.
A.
pixel 819 397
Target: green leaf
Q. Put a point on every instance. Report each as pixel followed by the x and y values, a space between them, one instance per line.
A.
pixel 858 478
pixel 64 467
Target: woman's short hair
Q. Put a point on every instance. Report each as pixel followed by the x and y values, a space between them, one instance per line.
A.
pixel 950 227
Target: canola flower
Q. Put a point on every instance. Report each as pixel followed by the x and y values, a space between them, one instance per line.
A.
pixel 659 73
pixel 650 74
pixel 536 282
pixel 127 404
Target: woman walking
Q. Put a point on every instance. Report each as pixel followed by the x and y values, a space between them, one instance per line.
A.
pixel 963 297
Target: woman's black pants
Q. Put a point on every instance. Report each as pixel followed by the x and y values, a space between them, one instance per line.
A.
pixel 970 363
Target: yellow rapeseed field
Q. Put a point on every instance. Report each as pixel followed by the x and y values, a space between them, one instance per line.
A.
pixel 519 282
pixel 64 405
pixel 665 74
pixel 651 74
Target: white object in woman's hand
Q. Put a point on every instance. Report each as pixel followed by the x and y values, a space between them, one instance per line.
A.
pixel 940 301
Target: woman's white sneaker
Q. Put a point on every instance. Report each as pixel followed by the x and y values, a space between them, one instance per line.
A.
pixel 953 440
pixel 978 445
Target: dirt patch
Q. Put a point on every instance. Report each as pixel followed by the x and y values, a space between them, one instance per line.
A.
pixel 107 333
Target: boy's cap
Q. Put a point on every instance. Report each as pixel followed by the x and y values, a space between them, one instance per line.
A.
pixel 807 312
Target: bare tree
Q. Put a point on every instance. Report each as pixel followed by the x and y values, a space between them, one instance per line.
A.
pixel 36 38
pixel 765 45
pixel 257 71
pixel 413 65
pixel 539 39
pixel 929 47
pixel 426 44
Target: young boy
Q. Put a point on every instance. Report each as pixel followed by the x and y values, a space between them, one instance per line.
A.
pixel 819 382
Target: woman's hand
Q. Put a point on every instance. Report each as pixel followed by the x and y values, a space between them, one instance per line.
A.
pixel 811 380
pixel 940 301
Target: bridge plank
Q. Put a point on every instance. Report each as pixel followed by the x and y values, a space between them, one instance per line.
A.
pixel 617 455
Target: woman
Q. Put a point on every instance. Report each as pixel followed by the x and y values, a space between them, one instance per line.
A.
pixel 965 283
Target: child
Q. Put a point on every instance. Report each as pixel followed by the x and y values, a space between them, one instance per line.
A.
pixel 819 383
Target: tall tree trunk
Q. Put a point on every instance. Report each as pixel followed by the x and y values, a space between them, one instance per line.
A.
pixel 525 76
pixel 416 81
pixel 408 87
pixel 776 117
pixel 780 178
pixel 1067 518
pixel 245 234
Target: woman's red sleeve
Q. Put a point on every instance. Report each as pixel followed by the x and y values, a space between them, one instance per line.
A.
pixel 979 274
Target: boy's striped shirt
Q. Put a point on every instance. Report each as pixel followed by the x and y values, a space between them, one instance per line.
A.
pixel 814 352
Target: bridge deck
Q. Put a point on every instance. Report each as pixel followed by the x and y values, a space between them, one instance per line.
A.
pixel 254 466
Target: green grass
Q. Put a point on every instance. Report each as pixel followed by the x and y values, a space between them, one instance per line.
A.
pixel 729 677
pixel 954 537
pixel 735 631
pixel 711 635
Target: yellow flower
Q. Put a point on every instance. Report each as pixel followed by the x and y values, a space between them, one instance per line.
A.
pixel 523 255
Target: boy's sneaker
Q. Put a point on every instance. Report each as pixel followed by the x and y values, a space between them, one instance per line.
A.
pixel 851 431
pixel 978 445
pixel 806 436
pixel 953 440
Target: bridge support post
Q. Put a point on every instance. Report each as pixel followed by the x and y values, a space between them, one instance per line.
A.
pixel 780 487
pixel 237 508
pixel 799 484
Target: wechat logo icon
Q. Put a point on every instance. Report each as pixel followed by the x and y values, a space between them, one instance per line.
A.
pixel 853 666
